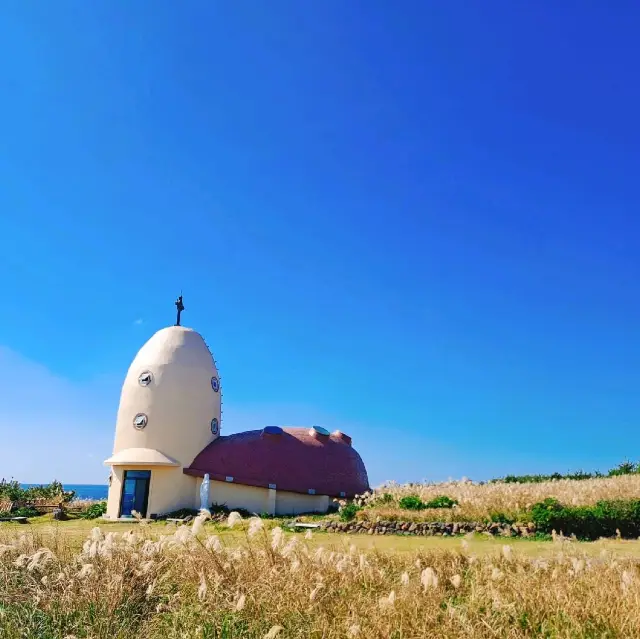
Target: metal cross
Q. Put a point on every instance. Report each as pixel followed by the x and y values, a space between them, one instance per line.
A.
pixel 180 307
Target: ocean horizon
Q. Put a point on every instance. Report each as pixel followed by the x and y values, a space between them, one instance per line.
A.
pixel 83 491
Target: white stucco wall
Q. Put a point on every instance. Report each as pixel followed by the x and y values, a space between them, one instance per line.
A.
pixel 179 403
pixel 259 500
pixel 296 503
pixel 115 491
pixel 255 500
pixel 171 490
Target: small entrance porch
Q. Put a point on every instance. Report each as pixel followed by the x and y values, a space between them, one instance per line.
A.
pixel 140 483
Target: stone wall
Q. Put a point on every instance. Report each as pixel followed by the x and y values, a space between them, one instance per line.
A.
pixel 428 528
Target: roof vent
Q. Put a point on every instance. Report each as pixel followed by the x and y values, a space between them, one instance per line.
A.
pixel 316 431
pixel 338 434
pixel 271 431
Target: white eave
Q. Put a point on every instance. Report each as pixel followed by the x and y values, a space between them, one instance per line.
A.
pixel 140 457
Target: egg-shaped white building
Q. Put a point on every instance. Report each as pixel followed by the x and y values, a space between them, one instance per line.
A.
pixel 169 411
pixel 168 439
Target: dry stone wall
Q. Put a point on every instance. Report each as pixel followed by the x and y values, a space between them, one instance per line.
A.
pixel 429 528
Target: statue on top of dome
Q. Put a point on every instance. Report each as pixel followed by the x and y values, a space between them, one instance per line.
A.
pixel 180 307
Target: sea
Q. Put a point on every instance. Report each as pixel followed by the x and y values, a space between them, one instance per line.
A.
pixel 83 491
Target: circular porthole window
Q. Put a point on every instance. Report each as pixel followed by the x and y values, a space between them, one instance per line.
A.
pixel 140 421
pixel 215 426
pixel 145 378
pixel 215 384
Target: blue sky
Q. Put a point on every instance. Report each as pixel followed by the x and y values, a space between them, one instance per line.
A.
pixel 416 222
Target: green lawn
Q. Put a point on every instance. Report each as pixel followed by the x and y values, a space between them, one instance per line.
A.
pixel 49 531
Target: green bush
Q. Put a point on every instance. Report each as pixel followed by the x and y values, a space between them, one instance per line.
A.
pixel 49 491
pixel 537 479
pixel 603 519
pixel 12 491
pixel 94 511
pixel 223 509
pixel 180 514
pixel 348 512
pixel 411 502
pixel 622 515
pixel 383 499
pixel 441 501
pixel 501 518
pixel 25 511
pixel 625 468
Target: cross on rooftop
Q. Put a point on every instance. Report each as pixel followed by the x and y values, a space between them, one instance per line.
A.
pixel 180 307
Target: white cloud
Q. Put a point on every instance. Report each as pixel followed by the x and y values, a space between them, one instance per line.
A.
pixel 52 428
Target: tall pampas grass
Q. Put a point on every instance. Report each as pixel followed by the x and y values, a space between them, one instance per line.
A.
pixel 476 502
pixel 190 583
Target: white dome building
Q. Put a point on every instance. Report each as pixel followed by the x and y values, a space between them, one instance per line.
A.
pixel 169 411
pixel 168 437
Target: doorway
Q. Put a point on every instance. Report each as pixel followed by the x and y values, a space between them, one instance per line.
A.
pixel 135 492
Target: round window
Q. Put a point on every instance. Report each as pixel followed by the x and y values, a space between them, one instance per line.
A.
pixel 215 384
pixel 215 426
pixel 145 378
pixel 140 421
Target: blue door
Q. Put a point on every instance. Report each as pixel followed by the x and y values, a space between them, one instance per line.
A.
pixel 135 492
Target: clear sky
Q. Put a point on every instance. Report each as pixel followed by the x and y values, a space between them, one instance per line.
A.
pixel 414 221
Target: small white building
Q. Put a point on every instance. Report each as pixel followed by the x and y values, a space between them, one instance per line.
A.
pixel 168 437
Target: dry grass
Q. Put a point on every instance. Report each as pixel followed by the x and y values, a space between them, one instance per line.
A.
pixel 71 535
pixel 265 584
pixel 83 504
pixel 478 501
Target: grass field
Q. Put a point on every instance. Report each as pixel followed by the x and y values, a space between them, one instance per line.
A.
pixel 71 579
pixel 477 502
pixel 104 580
pixel 47 532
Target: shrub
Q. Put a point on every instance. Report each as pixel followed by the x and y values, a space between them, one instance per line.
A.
pixel 603 519
pixel 14 492
pixel 614 515
pixel 441 501
pixel 625 468
pixel 49 491
pixel 411 502
pixel 11 490
pixel 348 512
pixel 501 518
pixel 223 509
pixel 94 511
pixel 180 514
pixel 538 479
pixel 24 511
